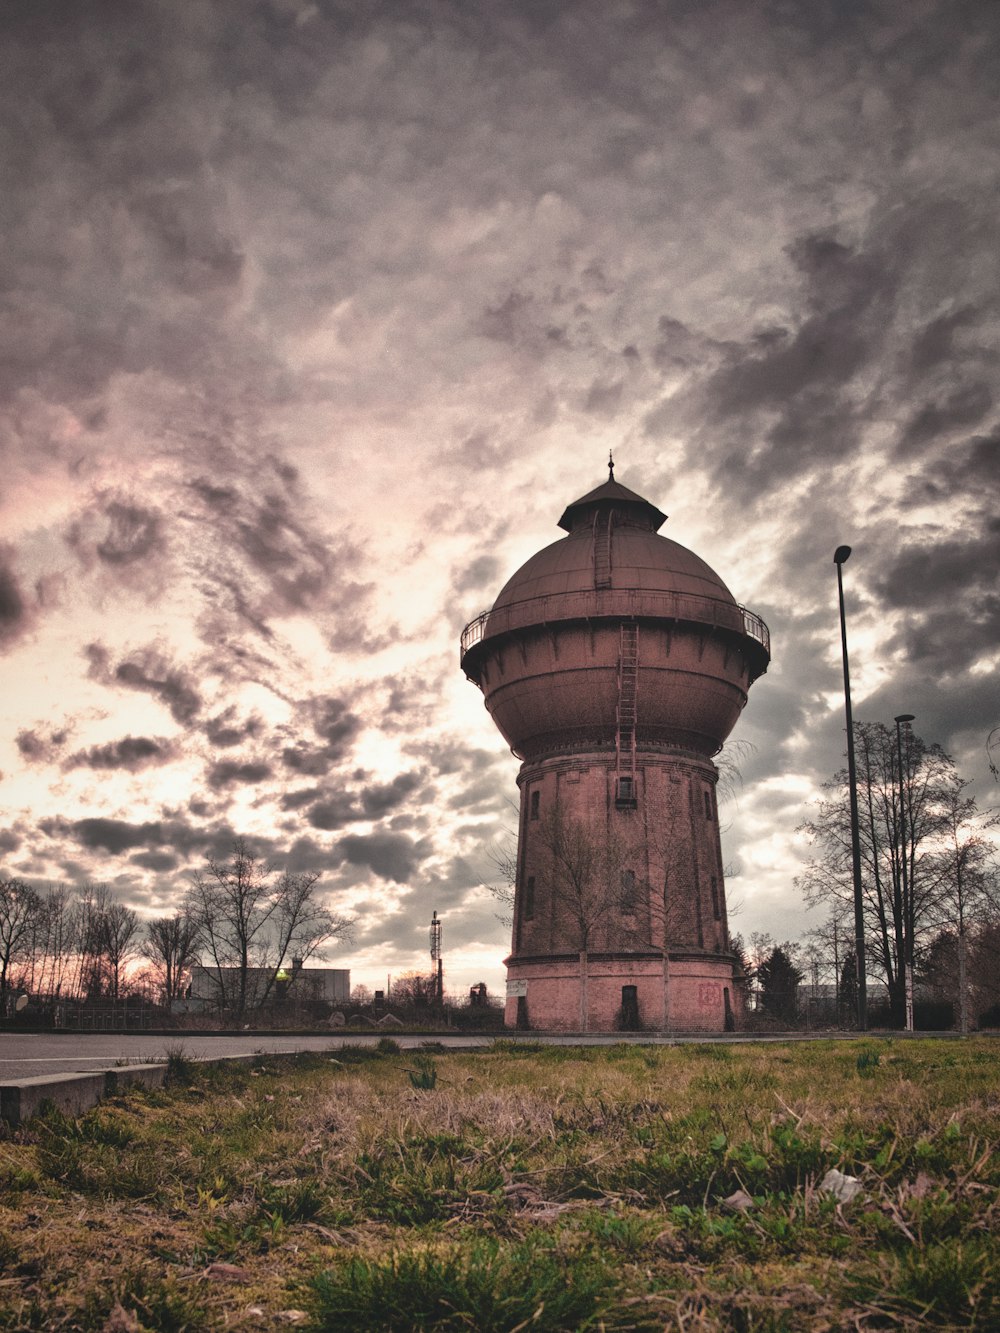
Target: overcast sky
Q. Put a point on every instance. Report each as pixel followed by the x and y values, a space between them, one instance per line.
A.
pixel 316 316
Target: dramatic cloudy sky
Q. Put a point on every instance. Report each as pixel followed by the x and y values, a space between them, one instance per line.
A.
pixel 316 315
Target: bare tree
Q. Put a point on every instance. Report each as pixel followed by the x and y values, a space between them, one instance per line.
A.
pixel 248 919
pixel 826 947
pixel 171 945
pixel 20 914
pixel 902 907
pixel 503 855
pixel 54 944
pixel 593 890
pixel 119 935
pixel 969 888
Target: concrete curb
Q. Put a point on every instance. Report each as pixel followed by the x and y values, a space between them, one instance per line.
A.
pixel 73 1093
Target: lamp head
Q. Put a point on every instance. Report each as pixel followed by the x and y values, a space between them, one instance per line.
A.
pixel 841 554
pixel 904 717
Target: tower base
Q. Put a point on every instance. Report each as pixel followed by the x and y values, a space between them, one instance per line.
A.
pixel 690 992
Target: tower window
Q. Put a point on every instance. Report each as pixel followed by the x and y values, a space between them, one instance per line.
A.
pixel 715 899
pixel 536 797
pixel 529 898
pixel 625 793
pixel 708 803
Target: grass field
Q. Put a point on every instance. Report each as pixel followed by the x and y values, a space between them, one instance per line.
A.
pixel 520 1188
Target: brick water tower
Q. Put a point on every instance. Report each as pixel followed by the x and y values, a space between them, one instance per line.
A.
pixel 615 662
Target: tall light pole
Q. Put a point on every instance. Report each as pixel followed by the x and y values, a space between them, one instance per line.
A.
pixel 903 870
pixel 436 957
pixel 839 556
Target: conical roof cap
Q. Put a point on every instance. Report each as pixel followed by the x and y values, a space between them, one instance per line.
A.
pixel 612 495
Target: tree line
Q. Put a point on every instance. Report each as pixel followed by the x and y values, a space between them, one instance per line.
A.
pixel 930 881
pixel 241 918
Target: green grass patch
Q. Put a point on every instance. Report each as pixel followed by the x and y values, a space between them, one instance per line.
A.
pixel 520 1185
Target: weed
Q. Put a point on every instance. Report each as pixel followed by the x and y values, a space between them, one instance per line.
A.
pixel 867 1062
pixel 388 1046
pixel 488 1286
pixel 180 1070
pixel 945 1285
pixel 425 1074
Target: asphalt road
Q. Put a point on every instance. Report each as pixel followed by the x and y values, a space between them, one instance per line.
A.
pixel 31 1055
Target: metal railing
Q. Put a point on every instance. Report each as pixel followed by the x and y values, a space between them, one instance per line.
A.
pixel 589 603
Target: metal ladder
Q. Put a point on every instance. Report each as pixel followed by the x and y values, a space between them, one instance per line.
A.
pixel 628 688
pixel 602 550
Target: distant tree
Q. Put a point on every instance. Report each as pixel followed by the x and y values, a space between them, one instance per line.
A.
pixel 53 965
pixel 171 946
pixel 779 982
pixel 967 866
pixel 757 951
pixel 826 947
pixel 847 996
pixel 743 971
pixel 119 941
pixel 900 917
pixel 92 971
pixel 248 917
pixel 414 988
pixel 20 916
pixel 362 995
pixel 984 975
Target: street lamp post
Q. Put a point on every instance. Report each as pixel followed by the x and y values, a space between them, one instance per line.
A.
pixel 839 556
pixel 906 718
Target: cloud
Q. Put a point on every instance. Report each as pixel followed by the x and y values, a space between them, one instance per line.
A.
pixel 160 862
pixel 381 797
pixel 40 745
pixel 336 726
pixel 962 407
pixel 226 730
pixel 391 856
pixel 13 609
pixel 109 835
pixel 234 772
pixel 150 671
pixel 132 753
pixel 118 533
pixel 334 811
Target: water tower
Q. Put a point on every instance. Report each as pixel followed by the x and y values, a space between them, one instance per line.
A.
pixel 615 662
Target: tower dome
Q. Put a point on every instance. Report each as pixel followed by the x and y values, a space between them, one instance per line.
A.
pixel 563 609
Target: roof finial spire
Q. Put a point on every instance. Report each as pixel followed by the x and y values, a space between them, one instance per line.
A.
pixel 611 466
